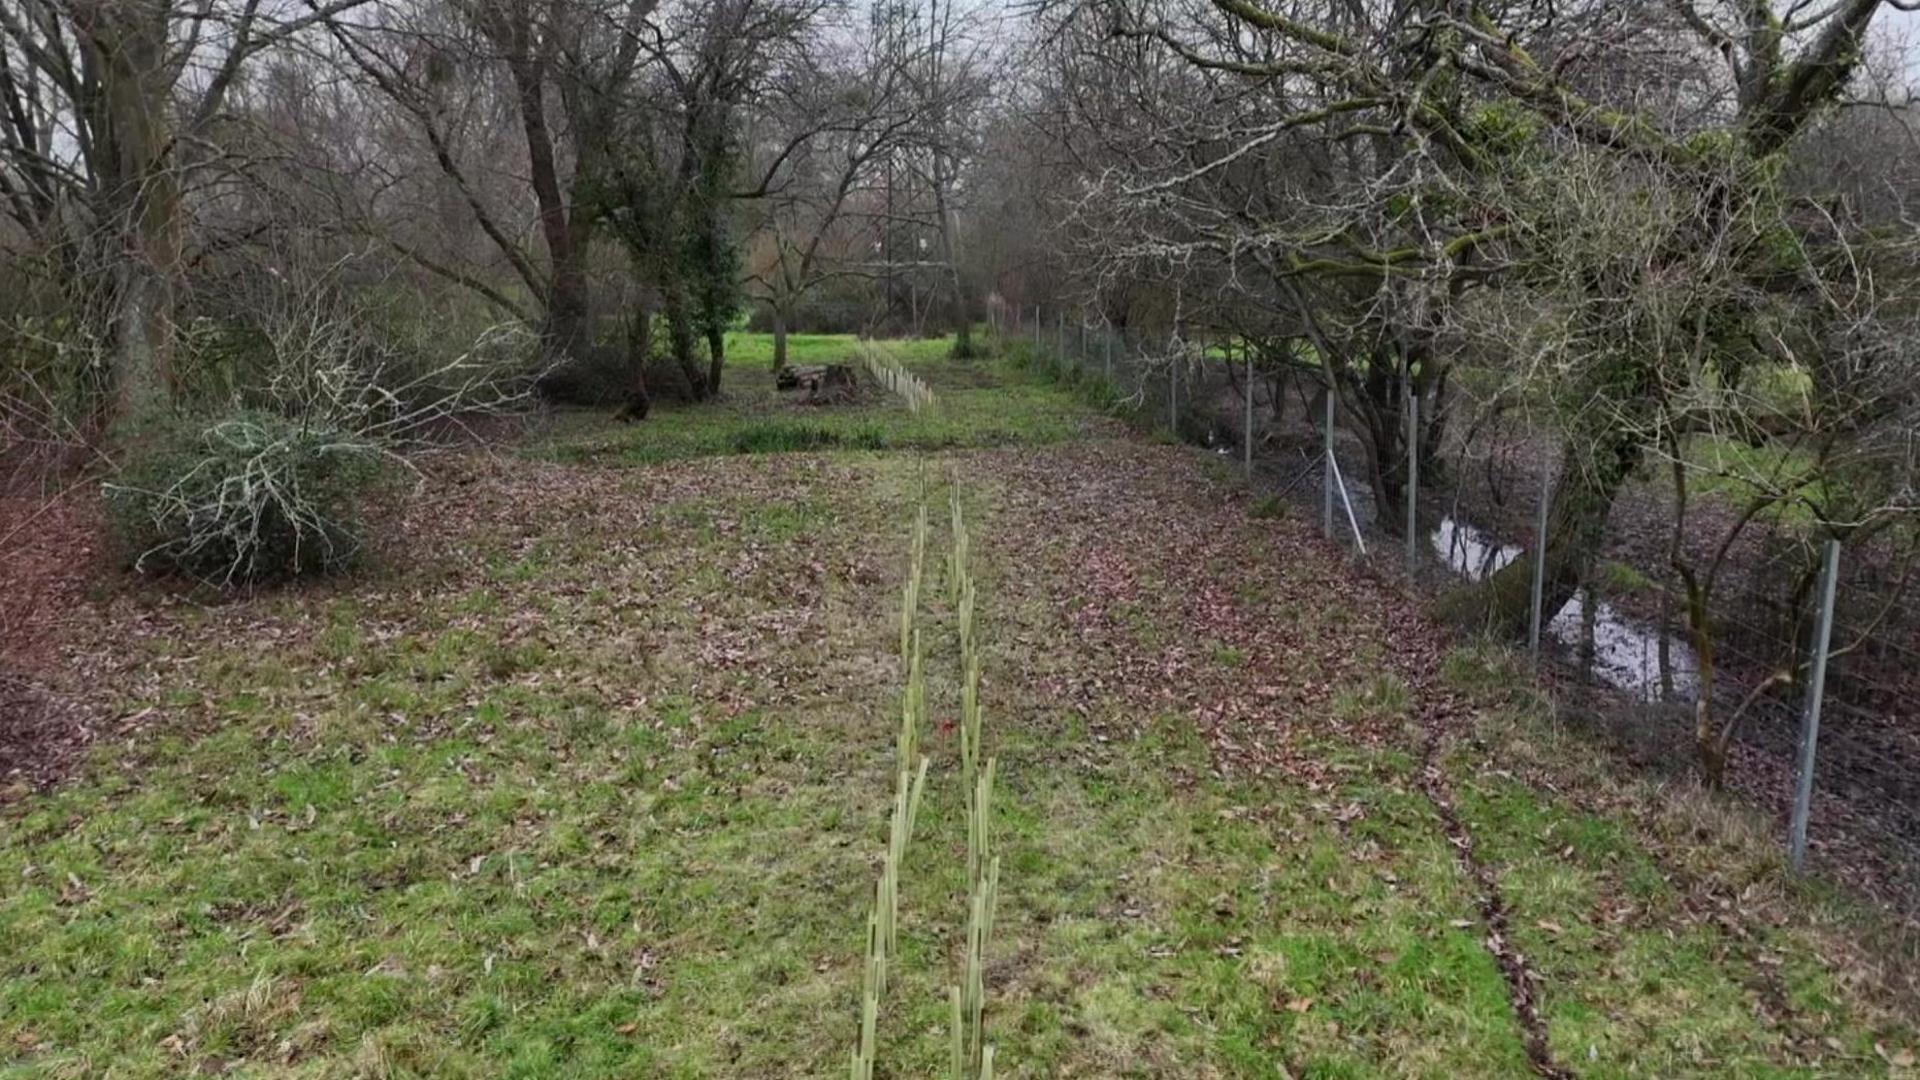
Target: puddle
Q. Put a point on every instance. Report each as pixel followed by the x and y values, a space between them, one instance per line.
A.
pixel 1469 551
pixel 1626 654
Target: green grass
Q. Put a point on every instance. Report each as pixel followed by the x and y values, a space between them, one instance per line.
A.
pixel 600 794
pixel 1621 579
pixel 752 349
pixel 1738 471
pixel 1586 889
pixel 432 853
pixel 978 403
pixel 1090 388
pixel 1777 388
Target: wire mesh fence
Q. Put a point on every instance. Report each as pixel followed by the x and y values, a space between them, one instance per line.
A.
pixel 1732 662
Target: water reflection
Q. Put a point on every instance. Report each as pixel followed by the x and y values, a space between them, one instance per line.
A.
pixel 1626 654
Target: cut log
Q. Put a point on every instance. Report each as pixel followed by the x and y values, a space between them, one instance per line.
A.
pixel 825 384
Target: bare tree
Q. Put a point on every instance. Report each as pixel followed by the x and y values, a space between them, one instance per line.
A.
pixel 562 72
pixel 831 129
pixel 951 85
pixel 107 105
pixel 1300 212
pixel 1405 127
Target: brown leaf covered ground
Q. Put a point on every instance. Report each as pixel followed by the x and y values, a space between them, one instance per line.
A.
pixel 586 772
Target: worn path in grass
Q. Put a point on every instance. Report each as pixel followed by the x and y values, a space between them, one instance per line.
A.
pixel 591 781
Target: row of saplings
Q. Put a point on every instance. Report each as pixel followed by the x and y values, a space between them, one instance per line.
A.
pixel 970 1056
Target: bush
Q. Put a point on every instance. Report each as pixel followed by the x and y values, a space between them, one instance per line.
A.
pixel 52 386
pixel 321 410
pixel 249 496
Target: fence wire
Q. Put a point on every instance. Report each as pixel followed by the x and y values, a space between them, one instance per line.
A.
pixel 1626 630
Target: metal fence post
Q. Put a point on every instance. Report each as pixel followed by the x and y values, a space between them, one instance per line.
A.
pixel 1413 476
pixel 1539 568
pixel 1353 522
pixel 1816 689
pixel 1326 468
pixel 1247 443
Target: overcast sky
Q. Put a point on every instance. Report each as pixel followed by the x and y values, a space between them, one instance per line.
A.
pixel 1902 30
pixel 1905 26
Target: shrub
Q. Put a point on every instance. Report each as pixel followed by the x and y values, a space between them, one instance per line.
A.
pixel 52 385
pixel 248 496
pixel 321 410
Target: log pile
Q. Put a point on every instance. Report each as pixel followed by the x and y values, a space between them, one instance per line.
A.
pixel 824 384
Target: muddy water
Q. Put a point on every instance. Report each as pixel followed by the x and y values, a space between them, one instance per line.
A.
pixel 1626 653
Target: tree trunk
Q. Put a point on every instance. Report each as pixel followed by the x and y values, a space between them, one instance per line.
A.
pixel 1589 629
pixel 716 355
pixel 1665 652
pixel 141 337
pixel 568 331
pixel 1381 396
pixel 680 338
pixel 1435 469
pixel 1713 755
pixel 127 44
pixel 950 250
pixel 779 338
pixel 639 343
pixel 1387 471
pixel 566 231
pixel 1595 465
pixel 1707 741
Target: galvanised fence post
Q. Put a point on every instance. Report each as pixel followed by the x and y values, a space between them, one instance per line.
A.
pixel 1816 689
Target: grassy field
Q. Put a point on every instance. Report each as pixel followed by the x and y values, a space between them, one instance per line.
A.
pixel 753 350
pixel 981 403
pixel 589 778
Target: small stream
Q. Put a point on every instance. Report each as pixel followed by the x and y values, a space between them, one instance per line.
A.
pixel 1626 654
